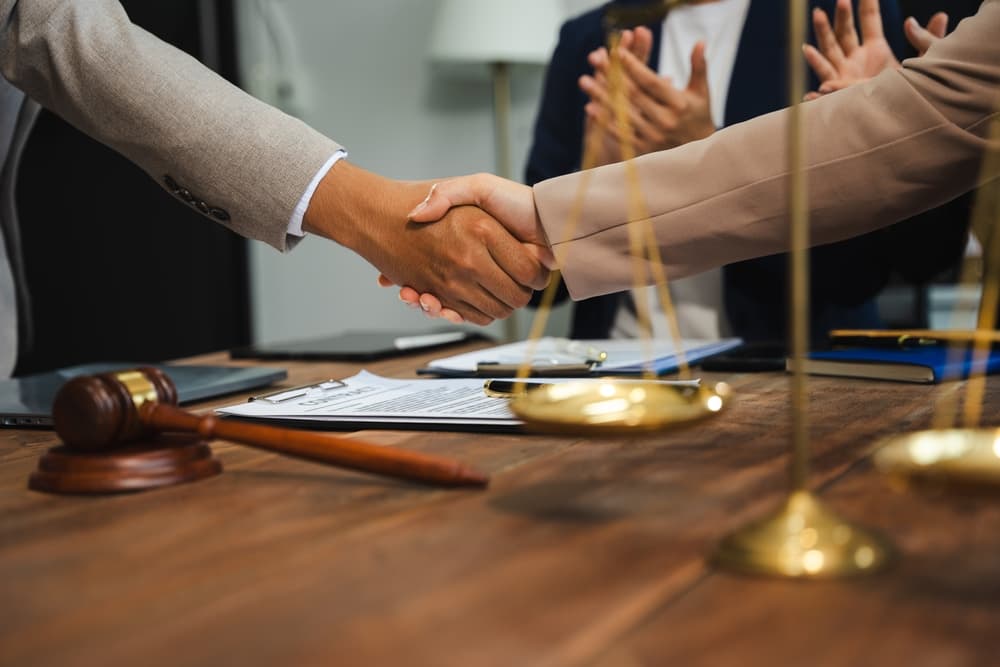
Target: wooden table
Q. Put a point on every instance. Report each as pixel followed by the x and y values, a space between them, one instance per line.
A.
pixel 583 551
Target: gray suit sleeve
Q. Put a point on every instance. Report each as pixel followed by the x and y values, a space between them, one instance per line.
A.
pixel 236 159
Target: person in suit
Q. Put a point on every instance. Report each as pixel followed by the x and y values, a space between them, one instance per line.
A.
pixel 242 163
pixel 904 142
pixel 743 77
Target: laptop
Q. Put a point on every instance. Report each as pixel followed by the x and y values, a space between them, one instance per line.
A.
pixel 27 401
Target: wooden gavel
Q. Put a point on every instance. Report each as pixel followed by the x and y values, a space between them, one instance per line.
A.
pixel 100 412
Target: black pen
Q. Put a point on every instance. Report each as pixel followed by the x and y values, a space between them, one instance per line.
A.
pixel 510 388
pixel 494 369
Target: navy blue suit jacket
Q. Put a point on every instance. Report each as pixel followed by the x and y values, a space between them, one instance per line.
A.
pixel 845 276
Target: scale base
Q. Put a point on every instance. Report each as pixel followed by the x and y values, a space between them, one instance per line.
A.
pixel 803 540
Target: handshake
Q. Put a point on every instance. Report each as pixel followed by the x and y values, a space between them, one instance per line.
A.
pixel 469 248
pixel 508 265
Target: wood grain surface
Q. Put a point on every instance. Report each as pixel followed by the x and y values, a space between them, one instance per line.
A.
pixel 582 551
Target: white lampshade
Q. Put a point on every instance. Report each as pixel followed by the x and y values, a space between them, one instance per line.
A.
pixel 495 31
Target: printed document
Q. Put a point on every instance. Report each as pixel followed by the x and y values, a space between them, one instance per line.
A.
pixel 370 401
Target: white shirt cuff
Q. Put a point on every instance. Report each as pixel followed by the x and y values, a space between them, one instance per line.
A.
pixel 295 224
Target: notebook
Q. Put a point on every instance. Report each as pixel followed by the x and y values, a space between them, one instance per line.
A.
pixel 930 364
pixel 27 401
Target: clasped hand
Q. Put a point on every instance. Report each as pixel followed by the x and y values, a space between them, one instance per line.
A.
pixel 510 204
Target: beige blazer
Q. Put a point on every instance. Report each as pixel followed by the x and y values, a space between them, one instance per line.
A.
pixel 226 154
pixel 879 152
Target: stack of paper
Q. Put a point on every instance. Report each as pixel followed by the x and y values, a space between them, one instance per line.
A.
pixel 369 401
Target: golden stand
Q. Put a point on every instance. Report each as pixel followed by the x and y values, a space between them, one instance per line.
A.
pixel 803 539
pixel 960 460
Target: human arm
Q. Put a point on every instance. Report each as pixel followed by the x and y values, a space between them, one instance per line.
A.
pixel 879 152
pixel 240 161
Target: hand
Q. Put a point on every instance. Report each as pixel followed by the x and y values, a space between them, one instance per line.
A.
pixel 601 146
pixel 841 59
pixel 467 258
pixel 922 38
pixel 510 203
pixel 660 116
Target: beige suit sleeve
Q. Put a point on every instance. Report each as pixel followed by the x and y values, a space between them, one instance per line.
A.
pixel 879 152
pixel 246 163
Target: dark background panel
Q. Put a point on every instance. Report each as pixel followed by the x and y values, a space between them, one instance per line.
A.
pixel 118 269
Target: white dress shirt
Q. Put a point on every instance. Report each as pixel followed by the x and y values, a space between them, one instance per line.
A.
pixel 698 299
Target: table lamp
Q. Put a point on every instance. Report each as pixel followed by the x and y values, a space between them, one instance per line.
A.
pixel 497 33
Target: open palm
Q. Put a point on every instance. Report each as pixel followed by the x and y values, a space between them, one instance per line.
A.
pixel 842 58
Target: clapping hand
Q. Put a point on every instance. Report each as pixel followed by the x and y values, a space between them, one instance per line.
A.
pixel 660 115
pixel 843 60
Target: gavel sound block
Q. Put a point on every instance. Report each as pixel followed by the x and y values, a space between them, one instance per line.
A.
pixel 124 432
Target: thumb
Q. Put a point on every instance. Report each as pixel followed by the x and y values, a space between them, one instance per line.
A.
pixel 938 25
pixel 541 254
pixel 442 197
pixel 699 70
pixel 919 37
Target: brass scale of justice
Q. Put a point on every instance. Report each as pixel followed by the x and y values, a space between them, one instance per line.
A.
pixel 802 538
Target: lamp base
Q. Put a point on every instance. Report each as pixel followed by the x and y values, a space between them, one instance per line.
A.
pixel 803 540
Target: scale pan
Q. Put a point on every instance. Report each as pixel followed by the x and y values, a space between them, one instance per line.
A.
pixel 954 459
pixel 617 407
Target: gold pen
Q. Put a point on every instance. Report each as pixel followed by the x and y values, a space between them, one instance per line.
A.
pixel 587 352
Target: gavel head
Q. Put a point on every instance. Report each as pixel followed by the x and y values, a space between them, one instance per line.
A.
pixel 96 412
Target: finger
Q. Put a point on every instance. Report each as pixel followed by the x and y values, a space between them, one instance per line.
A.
pixel 647 128
pixel 823 68
pixel 643 45
pixel 938 25
pixel 511 256
pixel 598 58
pixel 409 296
pixel 596 91
pixel 833 85
pixel 429 304
pixel 843 27
pixel 625 39
pixel 699 71
pixel 452 316
pixel 472 314
pixel 826 40
pixel 650 82
pixel 917 36
pixel 871 20
pixel 651 118
pixel 809 97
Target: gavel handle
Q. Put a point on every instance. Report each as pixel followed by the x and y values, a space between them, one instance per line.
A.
pixel 321 447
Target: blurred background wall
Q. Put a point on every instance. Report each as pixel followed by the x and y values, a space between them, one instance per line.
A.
pixel 360 73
